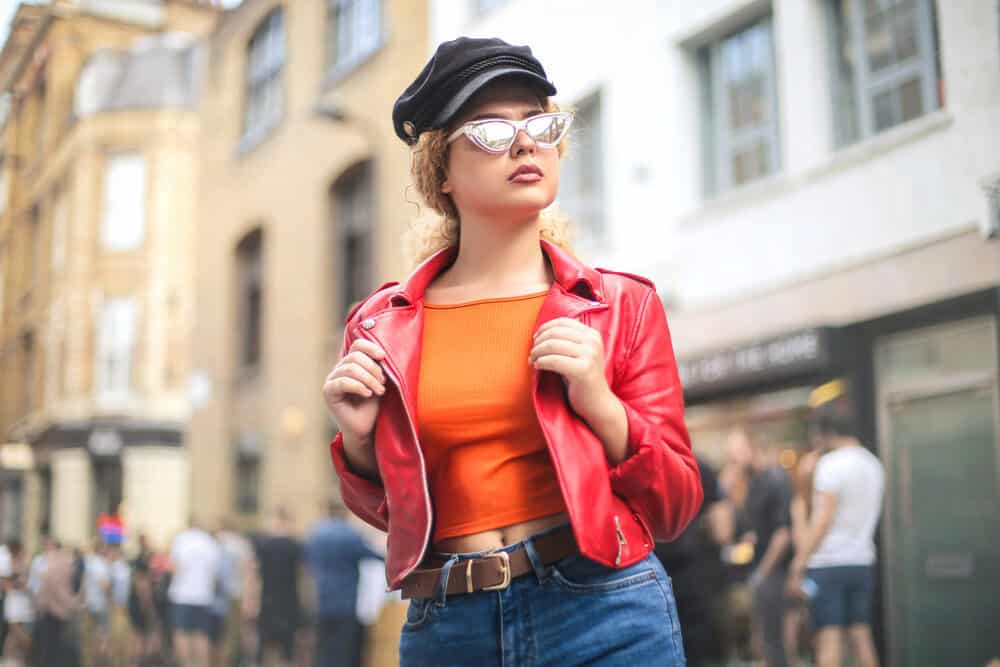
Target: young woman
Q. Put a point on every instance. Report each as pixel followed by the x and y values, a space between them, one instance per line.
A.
pixel 512 417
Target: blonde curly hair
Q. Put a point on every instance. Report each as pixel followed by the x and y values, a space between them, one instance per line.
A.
pixel 440 227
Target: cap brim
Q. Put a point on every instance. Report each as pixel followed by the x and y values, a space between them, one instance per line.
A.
pixel 476 84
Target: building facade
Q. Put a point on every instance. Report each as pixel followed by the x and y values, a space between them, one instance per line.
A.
pixel 815 184
pixel 97 212
pixel 301 209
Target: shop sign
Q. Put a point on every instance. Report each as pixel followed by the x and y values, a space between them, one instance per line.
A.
pixel 795 353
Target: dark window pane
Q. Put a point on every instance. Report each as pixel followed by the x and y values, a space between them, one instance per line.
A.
pixel 750 164
pixel 884 107
pixel 910 102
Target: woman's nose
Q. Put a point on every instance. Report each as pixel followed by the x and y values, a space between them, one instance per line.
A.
pixel 523 143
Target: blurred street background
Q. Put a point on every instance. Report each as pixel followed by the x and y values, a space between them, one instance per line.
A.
pixel 193 193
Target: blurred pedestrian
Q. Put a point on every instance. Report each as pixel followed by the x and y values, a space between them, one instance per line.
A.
pixel 769 522
pixel 279 561
pixel 95 628
pixel 195 557
pixel 552 447
pixel 119 625
pixel 238 555
pixel 54 636
pixel 6 570
pixel 838 552
pixel 142 613
pixel 334 551
pixel 694 562
pixel 18 610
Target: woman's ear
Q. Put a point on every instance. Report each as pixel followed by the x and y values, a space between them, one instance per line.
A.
pixel 446 186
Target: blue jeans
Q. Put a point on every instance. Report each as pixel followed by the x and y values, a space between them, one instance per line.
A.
pixel 844 595
pixel 573 612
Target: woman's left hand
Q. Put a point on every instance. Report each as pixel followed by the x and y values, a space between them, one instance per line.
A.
pixel 576 352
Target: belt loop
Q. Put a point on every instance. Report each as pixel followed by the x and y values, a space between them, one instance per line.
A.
pixel 541 570
pixel 442 590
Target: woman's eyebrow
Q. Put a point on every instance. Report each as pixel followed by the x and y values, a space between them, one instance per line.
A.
pixel 524 114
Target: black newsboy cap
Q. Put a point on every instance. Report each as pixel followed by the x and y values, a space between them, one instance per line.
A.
pixel 457 71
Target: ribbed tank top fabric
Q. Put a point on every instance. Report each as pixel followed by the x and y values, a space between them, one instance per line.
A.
pixel 487 462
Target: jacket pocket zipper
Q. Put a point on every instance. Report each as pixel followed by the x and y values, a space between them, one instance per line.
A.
pixel 622 543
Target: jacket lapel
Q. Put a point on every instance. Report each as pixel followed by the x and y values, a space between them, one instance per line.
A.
pixel 398 326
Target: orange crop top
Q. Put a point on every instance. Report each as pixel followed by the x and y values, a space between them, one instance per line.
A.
pixel 487 462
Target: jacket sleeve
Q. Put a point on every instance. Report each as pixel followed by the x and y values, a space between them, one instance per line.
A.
pixel 659 476
pixel 363 496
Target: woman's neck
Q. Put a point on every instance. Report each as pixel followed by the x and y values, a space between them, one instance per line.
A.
pixel 495 256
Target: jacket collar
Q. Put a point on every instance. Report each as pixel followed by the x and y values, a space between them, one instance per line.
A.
pixel 570 273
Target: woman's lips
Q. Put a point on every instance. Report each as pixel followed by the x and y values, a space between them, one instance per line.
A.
pixel 526 177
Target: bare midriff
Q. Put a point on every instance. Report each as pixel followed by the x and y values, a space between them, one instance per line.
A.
pixel 500 537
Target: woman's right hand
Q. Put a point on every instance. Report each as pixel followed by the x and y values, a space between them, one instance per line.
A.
pixel 354 388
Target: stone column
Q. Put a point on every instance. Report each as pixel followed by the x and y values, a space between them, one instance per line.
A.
pixel 72 488
pixel 156 492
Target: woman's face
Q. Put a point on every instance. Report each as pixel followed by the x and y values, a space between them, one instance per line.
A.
pixel 484 185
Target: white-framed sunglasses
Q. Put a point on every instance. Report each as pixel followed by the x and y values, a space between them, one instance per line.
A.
pixel 496 135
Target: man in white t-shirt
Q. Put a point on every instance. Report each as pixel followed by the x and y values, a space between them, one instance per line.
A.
pixel 838 551
pixel 196 558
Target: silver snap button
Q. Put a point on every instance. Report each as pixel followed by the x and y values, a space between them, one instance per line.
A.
pixel 368 324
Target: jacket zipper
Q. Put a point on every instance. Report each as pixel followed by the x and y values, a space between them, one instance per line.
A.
pixel 622 542
pixel 423 466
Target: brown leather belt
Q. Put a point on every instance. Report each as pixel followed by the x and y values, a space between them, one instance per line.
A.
pixel 492 572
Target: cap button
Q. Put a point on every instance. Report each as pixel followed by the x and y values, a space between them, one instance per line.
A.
pixel 368 324
pixel 410 129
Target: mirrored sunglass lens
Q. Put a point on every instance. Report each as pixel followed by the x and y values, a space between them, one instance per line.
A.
pixel 494 135
pixel 547 129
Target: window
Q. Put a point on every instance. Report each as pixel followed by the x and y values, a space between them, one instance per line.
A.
pixel 740 95
pixel 247 473
pixel 59 215
pixel 124 222
pixel 354 213
pixel 265 61
pixel 581 186
pixel 885 65
pixel 27 372
pixel 4 184
pixel 249 309
pixel 353 31
pixel 37 248
pixel 114 348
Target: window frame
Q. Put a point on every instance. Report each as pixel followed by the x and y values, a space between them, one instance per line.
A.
pixel 346 196
pixel 249 255
pixel 111 349
pixel 720 145
pixel 338 64
pixel 110 235
pixel 264 71
pixel 865 86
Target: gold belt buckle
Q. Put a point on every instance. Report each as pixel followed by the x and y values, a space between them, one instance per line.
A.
pixel 505 558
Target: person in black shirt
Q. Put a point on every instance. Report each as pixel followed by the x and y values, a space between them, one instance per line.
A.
pixel 767 515
pixel 699 578
pixel 279 560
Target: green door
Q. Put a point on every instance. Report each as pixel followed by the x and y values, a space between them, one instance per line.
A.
pixel 942 523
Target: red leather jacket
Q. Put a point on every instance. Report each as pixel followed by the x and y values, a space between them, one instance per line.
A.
pixel 616 511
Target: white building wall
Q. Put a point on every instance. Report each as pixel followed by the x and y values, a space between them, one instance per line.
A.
pixel 825 209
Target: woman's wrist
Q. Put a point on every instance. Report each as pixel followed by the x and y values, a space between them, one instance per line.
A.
pixel 605 415
pixel 360 455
